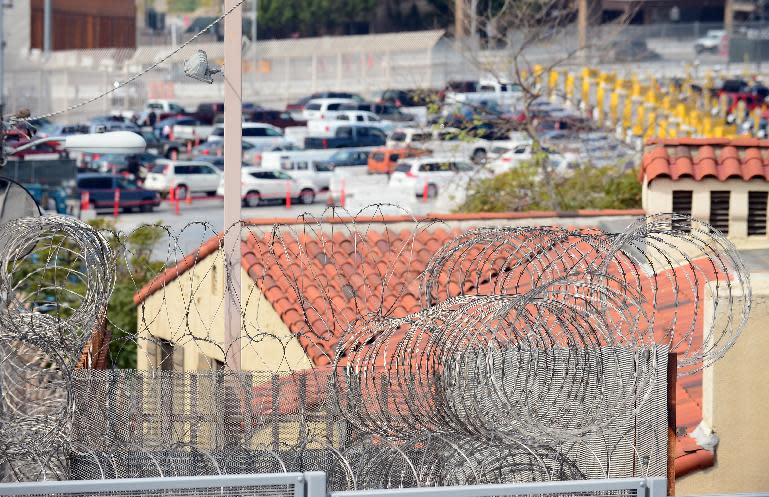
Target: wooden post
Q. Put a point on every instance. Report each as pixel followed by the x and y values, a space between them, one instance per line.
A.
pixel 672 378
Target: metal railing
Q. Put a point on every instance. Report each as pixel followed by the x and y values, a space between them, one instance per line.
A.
pixel 629 487
pixel 308 484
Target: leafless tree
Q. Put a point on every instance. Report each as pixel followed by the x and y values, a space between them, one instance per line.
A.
pixel 522 41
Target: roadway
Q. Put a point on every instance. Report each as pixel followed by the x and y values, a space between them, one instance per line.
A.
pixel 198 221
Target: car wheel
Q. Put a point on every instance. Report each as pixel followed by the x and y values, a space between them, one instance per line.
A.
pixel 432 191
pixel 479 156
pixel 181 192
pixel 698 49
pixel 146 207
pixel 307 196
pixel 252 199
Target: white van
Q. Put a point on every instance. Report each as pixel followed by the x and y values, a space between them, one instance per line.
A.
pixel 489 90
pixel 324 108
pixel 258 134
pixel 305 165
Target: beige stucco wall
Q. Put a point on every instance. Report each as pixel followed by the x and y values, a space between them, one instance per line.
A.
pixel 736 406
pixel 189 312
pixel 657 197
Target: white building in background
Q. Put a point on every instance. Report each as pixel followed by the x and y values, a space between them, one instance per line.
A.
pixel 719 180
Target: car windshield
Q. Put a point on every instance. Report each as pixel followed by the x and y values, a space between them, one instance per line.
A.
pixel 323 168
pixel 218 132
pixel 403 167
pixel 398 136
pixel 341 156
pixel 159 168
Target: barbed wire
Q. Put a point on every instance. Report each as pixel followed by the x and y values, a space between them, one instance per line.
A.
pixel 385 353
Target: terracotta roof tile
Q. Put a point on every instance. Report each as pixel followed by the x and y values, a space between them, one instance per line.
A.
pixel 700 158
pixel 333 298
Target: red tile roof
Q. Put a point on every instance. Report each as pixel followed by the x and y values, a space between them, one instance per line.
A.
pixel 319 282
pixel 699 158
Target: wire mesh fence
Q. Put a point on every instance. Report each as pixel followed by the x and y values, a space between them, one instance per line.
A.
pixel 277 72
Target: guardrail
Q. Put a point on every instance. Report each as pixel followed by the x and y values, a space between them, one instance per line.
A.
pixel 309 484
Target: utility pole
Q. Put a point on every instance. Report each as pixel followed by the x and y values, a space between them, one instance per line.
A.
pixel 2 83
pixel 233 117
pixel 47 27
pixel 459 19
pixel 255 14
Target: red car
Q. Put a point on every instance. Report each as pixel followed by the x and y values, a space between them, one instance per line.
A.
pixel 41 151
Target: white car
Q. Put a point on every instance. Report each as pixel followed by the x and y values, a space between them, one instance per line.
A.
pixel 185 176
pixel 427 175
pixel 560 163
pixel 711 42
pixel 409 137
pixel 259 134
pixel 164 107
pixel 324 108
pixel 259 184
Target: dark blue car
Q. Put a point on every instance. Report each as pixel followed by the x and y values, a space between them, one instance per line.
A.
pixel 101 191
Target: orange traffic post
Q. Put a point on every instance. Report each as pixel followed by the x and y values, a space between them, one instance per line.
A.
pixel 188 198
pixel 176 201
pixel 85 199
pixel 116 203
pixel 425 192
pixel 342 194
pixel 288 194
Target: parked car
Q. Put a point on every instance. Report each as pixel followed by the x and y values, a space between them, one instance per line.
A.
pixel 164 127
pixel 324 108
pixel 485 90
pixel 348 135
pixel 279 119
pixel 711 42
pixel 348 158
pixel 162 106
pixel 383 160
pixel 427 175
pixel 101 192
pixel 208 112
pixel 156 146
pixel 110 123
pixel 632 51
pixel 409 137
pixel 409 98
pixel 385 111
pixel 298 106
pixel 41 151
pixel 258 134
pixel 185 176
pixel 217 162
pixel 305 169
pixel 258 185
pixel 117 163
pixel 515 156
pixel 191 130
pixel 327 127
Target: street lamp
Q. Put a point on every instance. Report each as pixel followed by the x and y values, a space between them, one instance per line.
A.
pixel 111 142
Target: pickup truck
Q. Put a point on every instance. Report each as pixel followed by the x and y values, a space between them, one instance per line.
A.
pixel 194 131
pixel 350 135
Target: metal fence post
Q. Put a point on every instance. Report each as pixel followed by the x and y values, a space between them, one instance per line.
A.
pixel 657 487
pixel 315 484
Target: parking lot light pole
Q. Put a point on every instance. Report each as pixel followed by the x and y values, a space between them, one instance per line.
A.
pixel 233 90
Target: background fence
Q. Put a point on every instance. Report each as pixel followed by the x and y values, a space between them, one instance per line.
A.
pixel 279 71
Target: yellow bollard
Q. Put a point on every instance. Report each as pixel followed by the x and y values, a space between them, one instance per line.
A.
pixel 553 82
pixel 569 89
pixel 613 108
pixel 586 90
